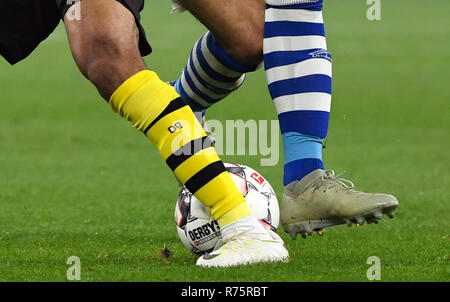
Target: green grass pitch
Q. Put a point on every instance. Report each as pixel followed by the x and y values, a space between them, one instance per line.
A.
pixel 77 180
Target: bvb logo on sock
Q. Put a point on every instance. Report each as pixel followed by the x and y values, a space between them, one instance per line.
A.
pixel 374 11
pixel 175 127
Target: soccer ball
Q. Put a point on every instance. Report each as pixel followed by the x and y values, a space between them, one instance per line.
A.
pixel 199 232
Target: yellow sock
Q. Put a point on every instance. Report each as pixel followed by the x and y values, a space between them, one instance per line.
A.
pixel 156 109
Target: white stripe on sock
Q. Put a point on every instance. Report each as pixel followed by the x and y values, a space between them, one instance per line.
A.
pixel 301 69
pixel 213 82
pixel 294 15
pixel 317 101
pixel 215 64
pixel 294 43
pixel 191 93
pixel 202 88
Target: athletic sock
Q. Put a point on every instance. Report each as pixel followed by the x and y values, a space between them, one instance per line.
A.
pixel 155 108
pixel 298 68
pixel 210 74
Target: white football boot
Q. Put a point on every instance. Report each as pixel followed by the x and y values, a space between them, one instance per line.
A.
pixel 322 199
pixel 245 242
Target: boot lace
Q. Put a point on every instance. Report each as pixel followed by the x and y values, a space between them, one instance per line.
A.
pixel 330 175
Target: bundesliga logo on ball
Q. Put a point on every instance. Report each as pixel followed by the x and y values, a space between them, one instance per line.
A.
pixel 198 230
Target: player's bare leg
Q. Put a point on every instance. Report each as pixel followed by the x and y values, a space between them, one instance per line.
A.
pixel 105 47
pixel 104 44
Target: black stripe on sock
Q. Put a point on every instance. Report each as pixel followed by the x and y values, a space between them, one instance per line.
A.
pixel 174 105
pixel 204 176
pixel 188 150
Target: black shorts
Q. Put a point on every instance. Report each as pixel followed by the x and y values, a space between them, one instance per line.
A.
pixel 26 23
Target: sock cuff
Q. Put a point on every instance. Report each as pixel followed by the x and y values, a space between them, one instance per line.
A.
pixel 141 98
pixel 217 50
pixel 240 211
pixel 210 74
pixel 130 86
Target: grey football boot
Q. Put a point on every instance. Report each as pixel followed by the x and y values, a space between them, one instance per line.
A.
pixel 322 199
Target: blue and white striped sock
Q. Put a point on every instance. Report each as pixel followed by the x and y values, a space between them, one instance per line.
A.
pixel 298 68
pixel 210 74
